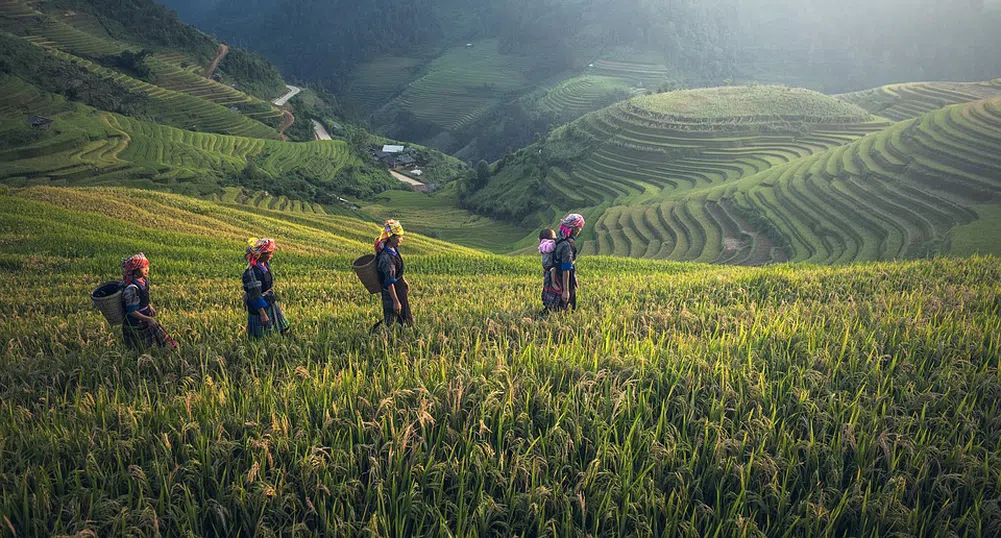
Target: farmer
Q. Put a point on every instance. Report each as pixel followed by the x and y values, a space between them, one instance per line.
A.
pixel 139 330
pixel 565 258
pixel 264 314
pixel 389 264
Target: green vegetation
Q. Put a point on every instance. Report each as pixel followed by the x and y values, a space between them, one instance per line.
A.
pixel 437 216
pixel 900 102
pixel 682 399
pixel 629 153
pixel 252 73
pixel 87 147
pixel 904 192
pixel 756 105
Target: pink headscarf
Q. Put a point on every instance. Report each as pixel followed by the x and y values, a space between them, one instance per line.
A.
pixel 572 221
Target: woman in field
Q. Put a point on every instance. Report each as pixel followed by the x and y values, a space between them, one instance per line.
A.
pixel 389 264
pixel 550 285
pixel 140 330
pixel 264 314
pixel 564 259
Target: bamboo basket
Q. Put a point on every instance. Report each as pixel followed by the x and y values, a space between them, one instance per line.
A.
pixel 108 299
pixel 365 269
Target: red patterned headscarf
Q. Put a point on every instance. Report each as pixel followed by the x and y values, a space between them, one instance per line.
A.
pixel 256 247
pixel 132 264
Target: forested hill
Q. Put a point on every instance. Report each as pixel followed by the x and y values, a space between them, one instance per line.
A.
pixel 829 46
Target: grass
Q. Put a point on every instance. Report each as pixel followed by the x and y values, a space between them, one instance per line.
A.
pixel 682 399
pixel 900 102
pixel 750 103
pixel 729 183
pixel 438 216
pixel 88 147
pixel 979 236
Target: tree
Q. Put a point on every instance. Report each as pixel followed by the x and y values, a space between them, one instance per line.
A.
pixel 482 174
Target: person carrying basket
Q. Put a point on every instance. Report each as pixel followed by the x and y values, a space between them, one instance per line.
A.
pixel 140 330
pixel 389 264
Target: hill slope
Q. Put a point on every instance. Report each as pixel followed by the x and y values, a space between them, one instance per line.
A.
pixel 908 191
pixel 659 146
pixel 714 401
pixel 900 102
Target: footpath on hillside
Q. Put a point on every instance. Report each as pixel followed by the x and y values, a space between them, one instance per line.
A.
pixel 223 51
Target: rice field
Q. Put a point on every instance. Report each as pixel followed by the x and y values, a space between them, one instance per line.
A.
pixel 88 147
pixel 899 193
pixel 900 102
pixel 197 103
pixel 652 148
pixel 462 86
pixel 681 399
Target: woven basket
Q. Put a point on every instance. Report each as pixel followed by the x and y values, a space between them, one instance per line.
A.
pixel 365 269
pixel 108 299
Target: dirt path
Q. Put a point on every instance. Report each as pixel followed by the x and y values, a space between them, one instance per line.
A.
pixel 287 120
pixel 405 179
pixel 223 51
pixel 321 131
pixel 292 92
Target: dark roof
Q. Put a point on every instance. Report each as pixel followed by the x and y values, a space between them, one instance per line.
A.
pixel 36 121
pixel 405 159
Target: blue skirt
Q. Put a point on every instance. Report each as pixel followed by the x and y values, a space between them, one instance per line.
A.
pixel 276 323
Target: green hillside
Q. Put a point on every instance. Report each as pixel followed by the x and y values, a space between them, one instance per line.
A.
pixel 916 189
pixel 681 398
pixel 656 147
pixel 459 100
pixel 900 102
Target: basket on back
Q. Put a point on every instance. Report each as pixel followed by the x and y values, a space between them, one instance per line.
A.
pixel 108 299
pixel 365 269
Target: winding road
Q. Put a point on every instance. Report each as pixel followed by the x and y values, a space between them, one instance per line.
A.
pixel 292 92
pixel 321 131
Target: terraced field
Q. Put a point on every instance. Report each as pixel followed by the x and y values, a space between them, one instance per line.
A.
pixel 377 82
pixel 200 103
pixel 462 86
pixel 639 74
pixel 264 200
pixel 898 193
pixel 88 147
pixel 652 148
pixel 900 102
pixel 577 96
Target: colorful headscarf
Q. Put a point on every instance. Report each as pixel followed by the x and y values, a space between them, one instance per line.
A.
pixel 389 229
pixel 256 247
pixel 573 220
pixel 132 264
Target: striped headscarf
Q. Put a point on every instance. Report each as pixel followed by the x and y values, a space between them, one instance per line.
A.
pixel 132 264
pixel 572 221
pixel 390 228
pixel 256 247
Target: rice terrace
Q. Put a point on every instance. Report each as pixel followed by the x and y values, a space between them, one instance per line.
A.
pixel 508 269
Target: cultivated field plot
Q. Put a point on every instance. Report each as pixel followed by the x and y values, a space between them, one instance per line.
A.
pixel 655 147
pixel 87 147
pixel 377 82
pixel 898 193
pixel 579 95
pixel 199 103
pixel 680 399
pixel 900 102
pixel 463 85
